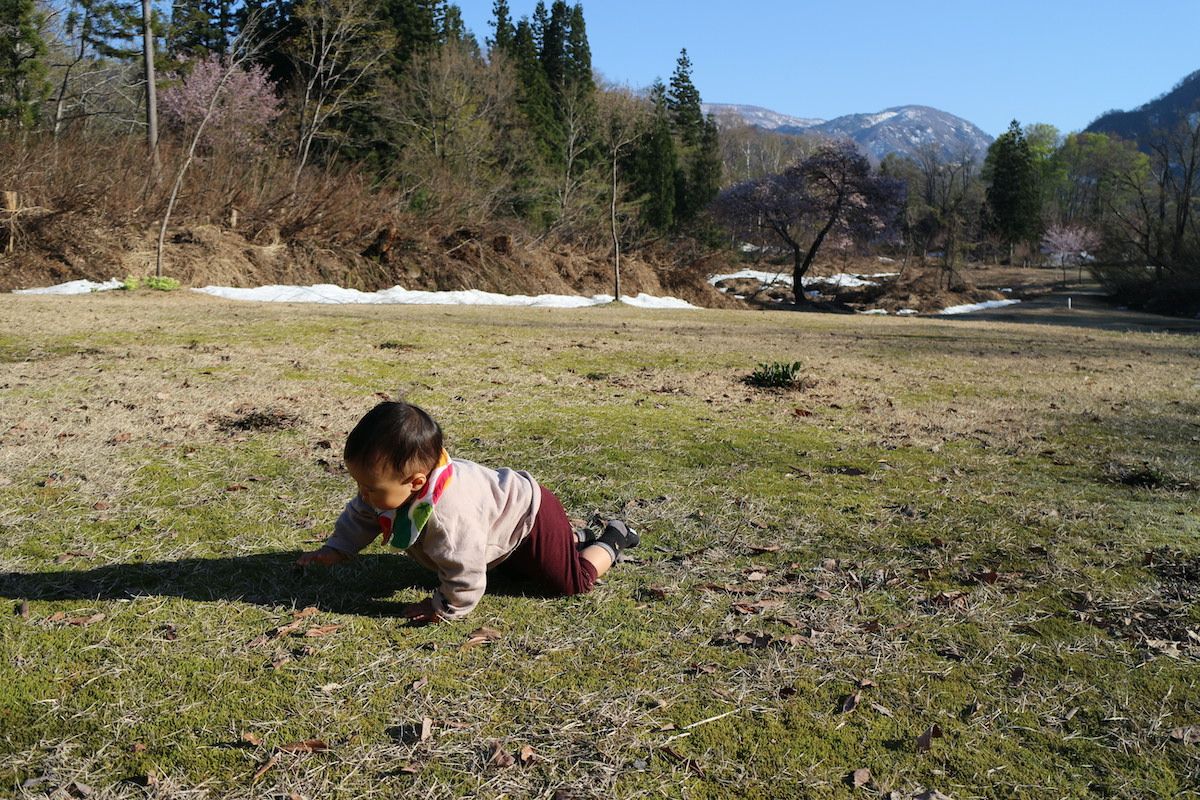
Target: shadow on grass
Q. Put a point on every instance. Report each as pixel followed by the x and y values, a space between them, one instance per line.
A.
pixel 362 586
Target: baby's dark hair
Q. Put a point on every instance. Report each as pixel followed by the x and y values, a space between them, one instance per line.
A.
pixel 398 434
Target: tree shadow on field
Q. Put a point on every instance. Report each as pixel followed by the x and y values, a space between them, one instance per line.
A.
pixel 361 586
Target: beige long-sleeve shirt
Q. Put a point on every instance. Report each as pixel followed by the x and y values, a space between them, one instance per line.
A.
pixel 481 517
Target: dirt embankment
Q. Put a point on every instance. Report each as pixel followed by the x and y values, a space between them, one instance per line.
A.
pixel 58 250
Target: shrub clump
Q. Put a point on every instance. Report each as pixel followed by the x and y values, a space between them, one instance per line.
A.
pixel 776 375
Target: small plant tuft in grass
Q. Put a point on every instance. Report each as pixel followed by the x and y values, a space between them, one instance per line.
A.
pixel 776 375
pixel 162 284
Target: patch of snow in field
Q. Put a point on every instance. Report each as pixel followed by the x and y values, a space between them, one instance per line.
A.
pixel 907 312
pixel 74 287
pixel 968 308
pixel 328 293
pixel 843 279
pixel 880 312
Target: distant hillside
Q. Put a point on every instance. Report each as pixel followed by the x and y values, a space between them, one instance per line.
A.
pixel 903 129
pixel 1162 112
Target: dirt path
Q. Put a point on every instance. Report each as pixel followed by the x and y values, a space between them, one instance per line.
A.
pixel 1083 308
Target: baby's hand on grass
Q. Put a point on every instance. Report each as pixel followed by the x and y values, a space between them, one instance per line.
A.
pixel 325 557
pixel 421 613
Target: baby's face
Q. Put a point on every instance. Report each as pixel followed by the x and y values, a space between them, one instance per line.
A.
pixel 381 487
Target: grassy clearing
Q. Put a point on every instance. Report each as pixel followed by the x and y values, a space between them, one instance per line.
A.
pixel 987 528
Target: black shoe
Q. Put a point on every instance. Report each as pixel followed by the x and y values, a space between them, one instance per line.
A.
pixel 617 537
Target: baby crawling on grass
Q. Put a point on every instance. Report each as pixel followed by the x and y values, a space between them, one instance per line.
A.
pixel 458 518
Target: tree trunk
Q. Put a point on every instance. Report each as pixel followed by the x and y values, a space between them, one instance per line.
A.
pixel 612 212
pixel 151 92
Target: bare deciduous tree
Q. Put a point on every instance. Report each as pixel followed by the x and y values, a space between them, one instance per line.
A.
pixel 621 120
pixel 242 51
pixel 337 56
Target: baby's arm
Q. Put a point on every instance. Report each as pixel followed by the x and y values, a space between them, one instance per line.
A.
pixel 357 527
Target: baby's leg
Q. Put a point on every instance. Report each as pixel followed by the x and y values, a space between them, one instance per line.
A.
pixel 550 558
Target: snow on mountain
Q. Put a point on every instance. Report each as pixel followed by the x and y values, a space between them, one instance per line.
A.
pixel 758 117
pixel 902 129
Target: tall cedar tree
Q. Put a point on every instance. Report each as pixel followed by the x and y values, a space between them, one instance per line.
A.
pixel 23 84
pixel 277 25
pixel 684 102
pixel 554 46
pixel 654 166
pixel 1012 192
pixel 578 54
pixel 504 33
pixel 200 27
pixel 698 177
pixel 536 99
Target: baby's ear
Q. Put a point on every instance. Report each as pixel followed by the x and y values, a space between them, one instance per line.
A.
pixel 418 481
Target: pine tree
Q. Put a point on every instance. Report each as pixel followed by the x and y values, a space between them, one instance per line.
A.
pixel 504 33
pixel 683 100
pixel 199 27
pixel 705 169
pixel 537 26
pixel 536 98
pixel 655 167
pixel 578 68
pixel 554 45
pixel 1012 193
pixel 23 84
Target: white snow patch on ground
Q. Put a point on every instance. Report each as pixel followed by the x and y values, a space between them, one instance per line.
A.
pixel 842 279
pixel 74 287
pixel 968 308
pixel 907 312
pixel 880 312
pixel 328 293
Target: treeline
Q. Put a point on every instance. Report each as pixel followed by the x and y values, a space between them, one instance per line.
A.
pixel 397 92
pixel 1082 199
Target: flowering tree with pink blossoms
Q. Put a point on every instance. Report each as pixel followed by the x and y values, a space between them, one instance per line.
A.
pixel 242 101
pixel 1069 244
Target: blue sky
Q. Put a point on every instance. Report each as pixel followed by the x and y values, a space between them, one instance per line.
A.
pixel 1058 61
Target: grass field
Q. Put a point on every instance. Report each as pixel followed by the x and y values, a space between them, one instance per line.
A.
pixel 965 557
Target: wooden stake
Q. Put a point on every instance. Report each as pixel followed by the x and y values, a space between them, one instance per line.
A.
pixel 13 207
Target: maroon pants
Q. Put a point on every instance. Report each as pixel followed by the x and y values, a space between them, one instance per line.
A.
pixel 548 557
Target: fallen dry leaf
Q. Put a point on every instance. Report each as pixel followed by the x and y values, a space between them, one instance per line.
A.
pixel 527 756
pixel 831 564
pixel 57 616
pixel 497 757
pixel 321 630
pixel 81 621
pixel 137 747
pixel 418 684
pixel 925 740
pixel 22 609
pixel 120 438
pixel 305 612
pixel 764 548
pixel 860 777
pixel 100 505
pixel 481 636
pixel 426 728
pixel 251 738
pixel 887 712
pixel 757 606
pixel 988 576
pixel 850 702
pixel 1188 735
pixel 821 594
pixel 63 558
pixel 265 767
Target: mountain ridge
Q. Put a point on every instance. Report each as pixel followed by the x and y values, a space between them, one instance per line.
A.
pixel 1140 123
pixel 901 129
